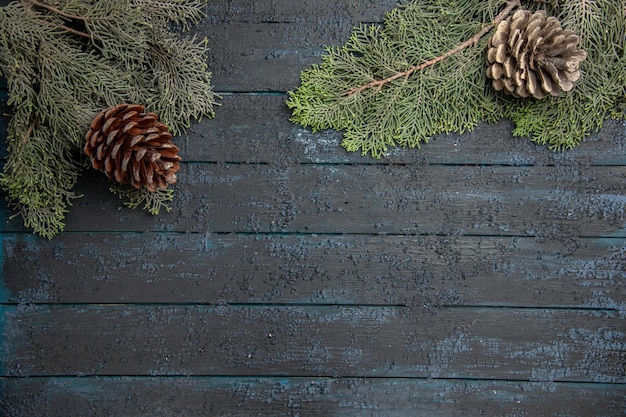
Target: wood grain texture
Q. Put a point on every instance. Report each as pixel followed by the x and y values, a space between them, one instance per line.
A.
pixel 478 275
pixel 263 47
pixel 316 397
pixel 380 199
pixel 255 128
pixel 511 344
pixel 418 271
pixel 271 12
pixel 3 119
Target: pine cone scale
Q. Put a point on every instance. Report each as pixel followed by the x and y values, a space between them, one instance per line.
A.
pixel 129 126
pixel 107 125
pixel 137 176
pixel 92 140
pixel 532 84
pixel 110 137
pixel 135 140
pixel 140 153
pixel 546 81
pixel 155 157
pixel 126 161
pixel 100 154
pixel 153 138
pixel 133 147
pixel 115 150
pixel 530 55
pixel 501 53
pixel 130 114
pixel 509 68
pixel 502 33
pixel 108 165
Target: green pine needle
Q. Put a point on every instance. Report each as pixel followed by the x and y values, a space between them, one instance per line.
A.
pixel 66 60
pixel 153 201
pixel 454 94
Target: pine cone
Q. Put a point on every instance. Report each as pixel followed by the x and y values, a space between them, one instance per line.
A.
pixel 531 55
pixel 133 147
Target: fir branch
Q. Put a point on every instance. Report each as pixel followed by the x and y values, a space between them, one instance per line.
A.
pixel 182 79
pixel 454 95
pixel 179 12
pixel 153 201
pixel 38 178
pixel 59 80
pixel 76 32
pixel 449 97
pixel 473 41
pixel 30 130
pixel 58 11
pixel 69 16
pixel 45 221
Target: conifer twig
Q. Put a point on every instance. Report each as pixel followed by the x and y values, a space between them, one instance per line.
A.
pixel 29 131
pixel 76 32
pixel 60 12
pixel 512 4
pixel 67 16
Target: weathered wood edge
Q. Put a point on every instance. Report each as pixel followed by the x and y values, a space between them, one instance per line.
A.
pixel 255 128
pixel 565 201
pixel 323 397
pixel 511 344
pixel 329 11
pixel 425 271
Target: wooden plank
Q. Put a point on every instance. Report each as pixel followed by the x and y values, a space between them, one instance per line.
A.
pixel 260 46
pixel 309 269
pixel 164 340
pixel 545 202
pixel 288 11
pixel 4 119
pixel 255 128
pixel 323 397
pixel 259 57
pixel 263 46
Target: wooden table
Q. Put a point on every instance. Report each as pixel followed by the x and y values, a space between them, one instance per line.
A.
pixel 479 275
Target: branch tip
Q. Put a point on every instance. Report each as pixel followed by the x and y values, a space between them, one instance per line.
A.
pixel 473 41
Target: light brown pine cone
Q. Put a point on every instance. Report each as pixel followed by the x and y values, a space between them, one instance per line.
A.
pixel 530 55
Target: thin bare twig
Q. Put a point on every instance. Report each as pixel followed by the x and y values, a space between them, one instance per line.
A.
pixel 66 16
pixel 472 41
pixel 30 130
pixel 60 12
pixel 76 32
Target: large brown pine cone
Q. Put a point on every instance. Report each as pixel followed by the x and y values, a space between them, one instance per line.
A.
pixel 530 55
pixel 133 147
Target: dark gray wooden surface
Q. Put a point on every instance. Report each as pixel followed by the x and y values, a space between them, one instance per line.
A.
pixel 479 275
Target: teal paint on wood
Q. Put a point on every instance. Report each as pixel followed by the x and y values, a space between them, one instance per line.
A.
pixel 536 345
pixel 311 396
pixel 5 351
pixel 309 269
pixel 616 233
pixel 7 243
pixel 426 308
pixel 4 119
pixel 377 199
pixel 264 135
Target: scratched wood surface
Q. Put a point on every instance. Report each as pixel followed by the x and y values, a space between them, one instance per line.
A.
pixel 478 275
